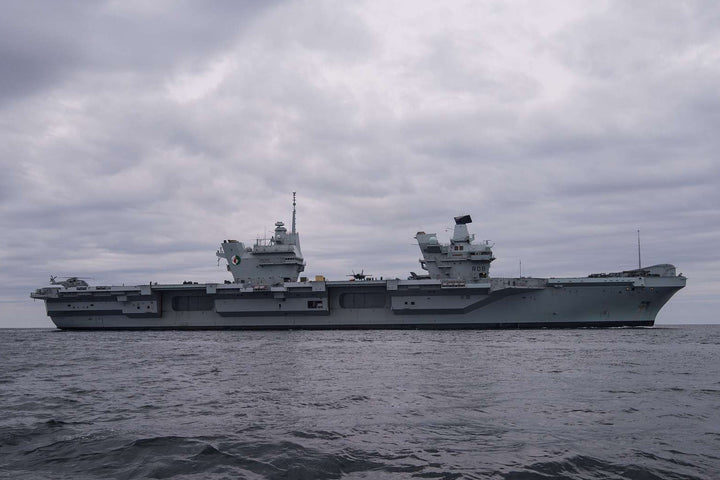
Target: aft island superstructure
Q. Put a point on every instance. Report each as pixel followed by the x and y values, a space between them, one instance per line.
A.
pixel 456 291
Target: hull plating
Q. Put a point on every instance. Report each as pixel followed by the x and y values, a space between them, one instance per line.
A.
pixel 562 303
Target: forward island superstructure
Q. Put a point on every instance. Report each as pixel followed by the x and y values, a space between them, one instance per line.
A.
pixel 457 291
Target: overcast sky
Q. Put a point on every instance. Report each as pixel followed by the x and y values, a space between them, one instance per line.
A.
pixel 135 136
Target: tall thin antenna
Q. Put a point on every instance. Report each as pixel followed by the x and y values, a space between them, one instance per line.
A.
pixel 520 268
pixel 293 224
pixel 639 262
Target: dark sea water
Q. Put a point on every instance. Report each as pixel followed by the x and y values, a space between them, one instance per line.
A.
pixel 543 404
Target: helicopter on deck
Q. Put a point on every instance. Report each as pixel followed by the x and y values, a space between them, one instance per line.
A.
pixel 69 281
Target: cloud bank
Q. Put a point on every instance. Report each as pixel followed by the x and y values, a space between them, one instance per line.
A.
pixel 135 137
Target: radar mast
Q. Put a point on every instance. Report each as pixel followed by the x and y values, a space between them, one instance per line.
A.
pixel 293 220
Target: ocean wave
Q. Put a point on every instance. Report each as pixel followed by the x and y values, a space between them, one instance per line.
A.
pixel 582 467
pixel 356 405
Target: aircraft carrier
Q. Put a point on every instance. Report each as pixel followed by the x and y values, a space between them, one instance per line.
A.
pixel 456 291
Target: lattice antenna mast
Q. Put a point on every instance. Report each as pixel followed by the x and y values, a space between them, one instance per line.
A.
pixel 639 262
pixel 293 223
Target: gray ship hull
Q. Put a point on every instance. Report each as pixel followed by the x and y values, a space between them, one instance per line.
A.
pixel 427 304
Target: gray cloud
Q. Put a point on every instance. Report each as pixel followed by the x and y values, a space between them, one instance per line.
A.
pixel 48 44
